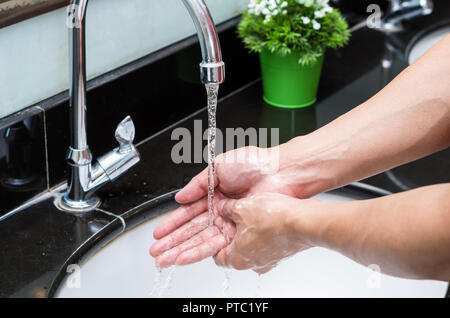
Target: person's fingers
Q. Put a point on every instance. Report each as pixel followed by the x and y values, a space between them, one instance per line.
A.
pixel 228 258
pixel 263 270
pixel 169 257
pixel 196 189
pixel 227 228
pixel 222 258
pixel 226 208
pixel 179 217
pixel 202 251
pixel 180 235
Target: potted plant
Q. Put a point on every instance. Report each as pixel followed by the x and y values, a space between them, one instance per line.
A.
pixel 291 37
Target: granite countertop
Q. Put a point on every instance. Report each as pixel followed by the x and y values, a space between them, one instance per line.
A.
pixel 38 239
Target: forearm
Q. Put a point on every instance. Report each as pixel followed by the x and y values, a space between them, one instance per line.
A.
pixel 406 234
pixel 407 120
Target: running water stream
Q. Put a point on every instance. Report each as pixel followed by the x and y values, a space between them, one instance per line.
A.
pixel 162 286
pixel 212 91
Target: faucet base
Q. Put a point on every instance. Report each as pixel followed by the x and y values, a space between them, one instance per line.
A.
pixel 63 203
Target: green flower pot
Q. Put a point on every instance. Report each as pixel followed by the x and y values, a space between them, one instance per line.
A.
pixel 288 84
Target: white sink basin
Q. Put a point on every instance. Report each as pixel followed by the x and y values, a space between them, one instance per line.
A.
pixel 124 269
pixel 426 42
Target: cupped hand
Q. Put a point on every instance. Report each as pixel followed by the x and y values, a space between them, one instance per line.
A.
pixel 184 236
pixel 267 231
pixel 240 173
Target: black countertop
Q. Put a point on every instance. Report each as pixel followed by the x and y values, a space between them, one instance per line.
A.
pixel 38 239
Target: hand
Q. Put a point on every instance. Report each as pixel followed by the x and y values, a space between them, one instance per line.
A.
pixel 240 173
pixel 266 231
pixel 184 236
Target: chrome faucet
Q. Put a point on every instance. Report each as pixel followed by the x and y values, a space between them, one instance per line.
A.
pixel 84 177
pixel 401 10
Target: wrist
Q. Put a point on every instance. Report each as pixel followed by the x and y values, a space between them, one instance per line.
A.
pixel 330 225
pixel 306 168
pixel 298 223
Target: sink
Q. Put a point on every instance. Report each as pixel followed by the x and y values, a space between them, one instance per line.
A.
pixel 426 40
pixel 123 268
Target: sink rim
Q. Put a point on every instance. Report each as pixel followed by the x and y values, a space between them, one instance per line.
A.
pixel 145 212
pixel 416 38
pixel 133 218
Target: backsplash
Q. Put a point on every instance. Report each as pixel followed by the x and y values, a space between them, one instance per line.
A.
pixel 155 96
pixel 22 158
pixel 34 53
pixel 160 89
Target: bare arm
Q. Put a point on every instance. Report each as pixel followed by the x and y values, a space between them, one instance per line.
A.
pixel 406 234
pixel 407 120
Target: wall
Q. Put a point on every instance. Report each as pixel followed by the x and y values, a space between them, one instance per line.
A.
pixel 34 57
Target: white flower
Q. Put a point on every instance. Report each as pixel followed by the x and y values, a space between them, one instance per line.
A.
pixel 268 8
pixel 316 25
pixel 322 6
pixel 319 14
pixel 305 20
pixel 322 2
pixel 328 9
pixel 307 3
pixel 271 8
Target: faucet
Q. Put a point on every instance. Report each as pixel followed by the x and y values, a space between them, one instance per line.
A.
pixel 397 12
pixel 84 177
pixel 401 10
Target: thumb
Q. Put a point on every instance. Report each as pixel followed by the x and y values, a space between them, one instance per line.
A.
pixel 196 189
pixel 226 208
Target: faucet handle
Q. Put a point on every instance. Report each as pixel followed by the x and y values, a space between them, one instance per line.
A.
pixel 124 134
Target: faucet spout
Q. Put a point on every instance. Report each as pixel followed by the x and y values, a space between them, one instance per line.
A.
pixel 84 177
pixel 212 68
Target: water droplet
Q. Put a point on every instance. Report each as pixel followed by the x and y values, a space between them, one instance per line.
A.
pixel 156 281
pixel 258 286
pixel 166 287
pixel 226 283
